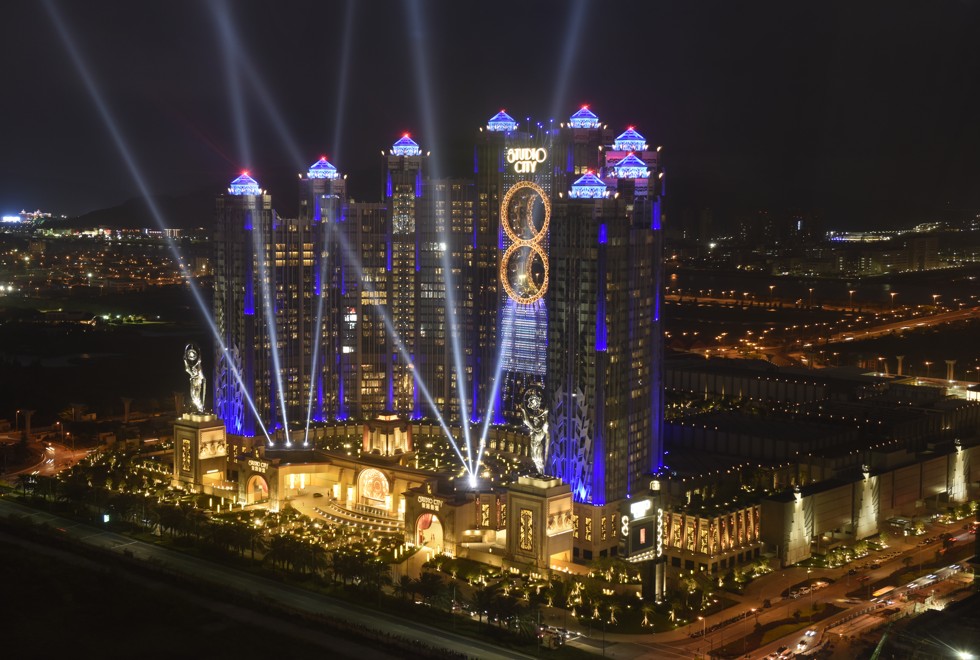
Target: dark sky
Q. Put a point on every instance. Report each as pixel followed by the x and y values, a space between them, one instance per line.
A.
pixel 867 113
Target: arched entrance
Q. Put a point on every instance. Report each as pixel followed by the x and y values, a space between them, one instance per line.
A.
pixel 256 490
pixel 428 532
pixel 373 488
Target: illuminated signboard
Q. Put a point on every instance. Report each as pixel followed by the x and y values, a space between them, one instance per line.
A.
pixel 640 526
pixel 526 159
pixel 525 213
pixel 430 503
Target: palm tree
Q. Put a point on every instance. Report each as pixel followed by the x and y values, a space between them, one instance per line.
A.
pixel 483 597
pixel 647 610
pixel 406 586
pixel 25 481
pixel 430 585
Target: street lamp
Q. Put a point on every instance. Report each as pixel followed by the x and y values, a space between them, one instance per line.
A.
pixel 771 288
pixel 17 421
pixel 935 298
pixel 811 296
pixel 893 294
pixel 850 298
pixel 928 370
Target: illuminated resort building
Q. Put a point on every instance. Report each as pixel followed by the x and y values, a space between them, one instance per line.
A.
pixel 447 304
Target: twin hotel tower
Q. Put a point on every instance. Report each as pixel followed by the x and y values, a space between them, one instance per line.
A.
pixel 516 312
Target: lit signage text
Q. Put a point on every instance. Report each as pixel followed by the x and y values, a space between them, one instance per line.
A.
pixel 640 508
pixel 430 503
pixel 257 466
pixel 526 159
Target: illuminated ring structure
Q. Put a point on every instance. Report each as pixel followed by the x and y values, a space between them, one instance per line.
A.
pixel 536 249
pixel 533 243
pixel 505 205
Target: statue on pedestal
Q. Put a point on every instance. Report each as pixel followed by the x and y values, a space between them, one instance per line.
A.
pixel 192 365
pixel 536 419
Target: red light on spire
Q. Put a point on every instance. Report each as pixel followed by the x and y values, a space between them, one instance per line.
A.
pixel 585 107
pixel 244 172
pixel 629 128
pixel 407 135
pixel 323 157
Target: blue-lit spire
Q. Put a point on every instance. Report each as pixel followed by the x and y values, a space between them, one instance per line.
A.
pixel 631 167
pixel 502 122
pixel 630 140
pixel 322 169
pixel 584 118
pixel 588 186
pixel 406 146
pixel 244 185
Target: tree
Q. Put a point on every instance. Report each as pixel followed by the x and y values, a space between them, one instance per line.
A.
pixel 406 586
pixel 483 597
pixel 430 585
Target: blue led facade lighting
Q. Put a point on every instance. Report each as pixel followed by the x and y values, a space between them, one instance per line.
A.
pixel 406 146
pixel 584 118
pixel 244 185
pixel 502 122
pixel 631 167
pixel 630 140
pixel 322 169
pixel 588 186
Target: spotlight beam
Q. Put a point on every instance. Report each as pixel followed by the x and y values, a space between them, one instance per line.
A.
pixel 316 338
pixel 140 181
pixel 497 372
pixel 268 292
pixel 342 83
pixel 400 345
pixel 219 12
pixel 454 339
pixel 573 30
pixel 420 59
pixel 238 59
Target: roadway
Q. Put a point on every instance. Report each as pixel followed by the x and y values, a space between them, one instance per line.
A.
pixel 679 644
pixel 284 595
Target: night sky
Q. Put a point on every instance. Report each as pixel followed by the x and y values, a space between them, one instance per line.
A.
pixel 865 113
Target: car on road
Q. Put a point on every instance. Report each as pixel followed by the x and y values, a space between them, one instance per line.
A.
pixel 931 576
pixel 811 633
pixel 317 494
pixel 853 571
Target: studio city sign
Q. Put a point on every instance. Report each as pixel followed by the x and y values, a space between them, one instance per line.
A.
pixel 526 159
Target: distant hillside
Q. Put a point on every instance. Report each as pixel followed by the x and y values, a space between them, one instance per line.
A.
pixel 188 211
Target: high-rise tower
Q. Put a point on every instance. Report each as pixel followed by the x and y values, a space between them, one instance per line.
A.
pixel 604 361
pixel 241 241
pixel 315 357
pixel 403 188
